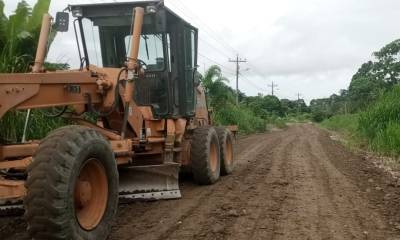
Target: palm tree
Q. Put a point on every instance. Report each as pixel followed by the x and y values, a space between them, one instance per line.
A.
pixel 19 34
pixel 218 92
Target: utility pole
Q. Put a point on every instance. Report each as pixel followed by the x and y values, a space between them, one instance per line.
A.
pixel 237 61
pixel 272 86
pixel 298 102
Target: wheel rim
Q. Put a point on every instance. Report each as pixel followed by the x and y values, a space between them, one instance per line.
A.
pixel 228 151
pixel 213 157
pixel 91 194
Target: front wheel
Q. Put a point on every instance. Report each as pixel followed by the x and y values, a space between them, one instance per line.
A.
pixel 72 186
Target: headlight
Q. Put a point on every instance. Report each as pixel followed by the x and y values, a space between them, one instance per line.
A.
pixel 151 9
pixel 77 12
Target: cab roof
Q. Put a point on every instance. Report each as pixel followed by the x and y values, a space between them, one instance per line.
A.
pixel 121 9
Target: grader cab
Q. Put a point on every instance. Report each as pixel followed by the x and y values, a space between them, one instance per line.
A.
pixel 149 121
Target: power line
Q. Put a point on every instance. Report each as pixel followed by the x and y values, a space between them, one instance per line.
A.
pixel 231 72
pixel 183 9
pixel 255 86
pixel 256 70
pixel 212 46
pixel 212 34
pixel 214 61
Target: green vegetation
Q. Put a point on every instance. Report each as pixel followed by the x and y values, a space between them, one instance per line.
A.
pixel 254 113
pixel 373 98
pixel 247 121
pixel 346 123
pixel 222 100
pixel 380 123
pixel 19 34
pixel 11 126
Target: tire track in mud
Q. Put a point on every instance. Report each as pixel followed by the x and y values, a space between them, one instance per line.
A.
pixel 249 204
pixel 306 213
pixel 291 184
pixel 270 193
pixel 194 197
pixel 215 220
pixel 344 195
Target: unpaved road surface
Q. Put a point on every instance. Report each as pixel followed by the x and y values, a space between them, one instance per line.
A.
pixel 290 184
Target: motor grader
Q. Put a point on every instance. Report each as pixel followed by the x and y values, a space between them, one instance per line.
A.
pixel 149 121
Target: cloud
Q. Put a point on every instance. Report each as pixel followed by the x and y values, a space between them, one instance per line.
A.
pixel 310 46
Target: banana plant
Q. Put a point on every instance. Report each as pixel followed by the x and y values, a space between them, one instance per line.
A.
pixel 19 34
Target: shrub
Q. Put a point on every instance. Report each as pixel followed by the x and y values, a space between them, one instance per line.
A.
pixel 244 118
pixel 319 116
pixel 376 118
pixel 387 140
pixel 347 123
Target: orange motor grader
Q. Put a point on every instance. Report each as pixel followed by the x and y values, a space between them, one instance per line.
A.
pixel 138 78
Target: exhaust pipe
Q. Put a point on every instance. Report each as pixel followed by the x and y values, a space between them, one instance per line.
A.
pixel 42 44
pixel 132 63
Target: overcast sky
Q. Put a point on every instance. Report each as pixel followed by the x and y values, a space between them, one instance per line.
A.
pixel 311 47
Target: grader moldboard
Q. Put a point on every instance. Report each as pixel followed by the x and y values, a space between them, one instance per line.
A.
pixel 152 121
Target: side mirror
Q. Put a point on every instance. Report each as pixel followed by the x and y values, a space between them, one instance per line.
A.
pixel 62 22
pixel 160 18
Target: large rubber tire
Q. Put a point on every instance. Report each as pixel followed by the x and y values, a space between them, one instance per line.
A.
pixel 205 156
pixel 50 203
pixel 225 138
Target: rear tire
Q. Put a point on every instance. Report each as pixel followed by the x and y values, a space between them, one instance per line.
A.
pixel 205 156
pixel 226 150
pixel 72 186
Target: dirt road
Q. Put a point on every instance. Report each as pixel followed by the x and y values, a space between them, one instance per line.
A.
pixel 291 184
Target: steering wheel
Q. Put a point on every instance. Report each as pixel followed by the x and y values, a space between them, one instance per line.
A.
pixel 142 64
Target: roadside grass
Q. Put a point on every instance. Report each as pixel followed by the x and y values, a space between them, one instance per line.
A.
pixel 344 123
pixel 377 128
pixel 280 123
pixel 347 126
pixel 387 140
pixel 380 124
pixel 297 118
pixel 246 120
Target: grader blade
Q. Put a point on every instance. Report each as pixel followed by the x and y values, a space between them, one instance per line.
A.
pixel 149 182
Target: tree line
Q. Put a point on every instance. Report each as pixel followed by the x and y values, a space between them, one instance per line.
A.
pixel 371 81
pixel 253 112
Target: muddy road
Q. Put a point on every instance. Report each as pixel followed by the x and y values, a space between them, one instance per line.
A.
pixel 290 184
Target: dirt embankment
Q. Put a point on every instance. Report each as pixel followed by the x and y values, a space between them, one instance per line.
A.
pixel 292 184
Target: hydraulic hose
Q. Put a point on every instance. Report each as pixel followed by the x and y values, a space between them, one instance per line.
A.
pixel 116 99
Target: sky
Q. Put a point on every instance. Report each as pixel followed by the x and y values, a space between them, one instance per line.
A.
pixel 308 47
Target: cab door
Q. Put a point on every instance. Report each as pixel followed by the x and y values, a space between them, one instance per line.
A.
pixel 190 64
